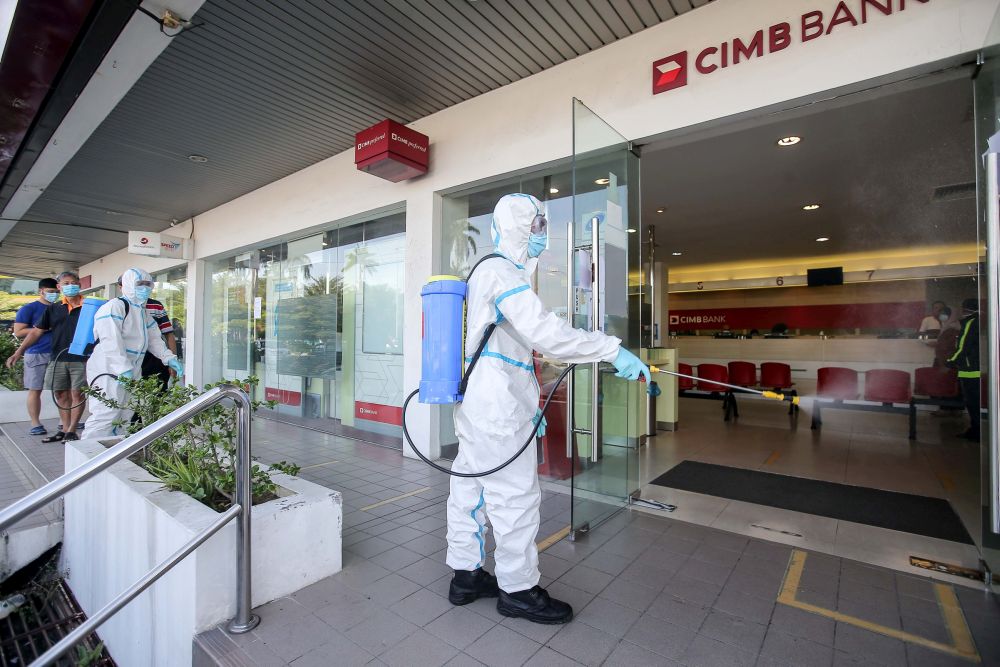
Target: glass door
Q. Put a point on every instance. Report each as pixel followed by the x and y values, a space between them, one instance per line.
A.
pixel 601 254
pixel 987 103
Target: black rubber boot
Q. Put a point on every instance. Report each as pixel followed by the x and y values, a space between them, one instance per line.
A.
pixel 468 586
pixel 534 605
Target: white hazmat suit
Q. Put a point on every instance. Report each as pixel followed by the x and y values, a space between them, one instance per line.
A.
pixel 496 415
pixel 122 344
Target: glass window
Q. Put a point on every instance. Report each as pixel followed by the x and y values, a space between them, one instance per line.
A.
pixel 319 320
pixel 170 289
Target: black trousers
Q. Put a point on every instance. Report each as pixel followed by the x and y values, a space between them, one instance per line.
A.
pixel 973 402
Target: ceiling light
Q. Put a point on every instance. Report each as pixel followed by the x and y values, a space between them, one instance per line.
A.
pixel 553 191
pixel 630 230
pixel 789 141
pixel 822 239
pixel 200 159
pixel 810 207
pixel 676 254
pixel 660 210
pixel 602 181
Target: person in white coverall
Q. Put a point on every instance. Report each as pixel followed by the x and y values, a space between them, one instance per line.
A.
pixel 498 412
pixel 123 336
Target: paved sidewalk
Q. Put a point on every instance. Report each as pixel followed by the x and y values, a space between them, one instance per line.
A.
pixel 646 590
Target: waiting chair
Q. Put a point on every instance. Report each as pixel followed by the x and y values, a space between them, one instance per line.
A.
pixel 778 377
pixel 887 386
pixel 742 373
pixel 840 384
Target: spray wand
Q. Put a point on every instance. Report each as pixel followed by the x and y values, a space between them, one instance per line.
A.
pixel 773 395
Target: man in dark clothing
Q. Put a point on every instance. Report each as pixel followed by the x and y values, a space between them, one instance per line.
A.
pixel 966 361
pixel 66 375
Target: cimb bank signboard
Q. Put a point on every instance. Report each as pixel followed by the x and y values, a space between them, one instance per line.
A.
pixel 677 70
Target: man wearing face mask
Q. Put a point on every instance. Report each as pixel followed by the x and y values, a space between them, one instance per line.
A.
pixel 498 412
pixel 36 357
pixel 66 374
pixel 124 330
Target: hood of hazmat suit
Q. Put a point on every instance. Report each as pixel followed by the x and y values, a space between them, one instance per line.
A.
pixel 495 416
pixel 123 340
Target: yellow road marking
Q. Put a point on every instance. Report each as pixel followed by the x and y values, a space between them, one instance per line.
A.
pixel 947 483
pixel 318 465
pixel 386 502
pixel 775 455
pixel 552 539
pixel 962 644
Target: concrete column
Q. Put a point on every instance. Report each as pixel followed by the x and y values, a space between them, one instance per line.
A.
pixel 197 322
pixel 423 251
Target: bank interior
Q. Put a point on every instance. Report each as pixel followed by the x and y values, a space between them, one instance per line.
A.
pixel 817 238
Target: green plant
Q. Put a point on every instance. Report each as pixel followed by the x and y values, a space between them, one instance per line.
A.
pixel 198 457
pixel 86 657
pixel 12 378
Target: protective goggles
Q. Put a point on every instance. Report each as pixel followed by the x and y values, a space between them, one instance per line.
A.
pixel 144 283
pixel 539 225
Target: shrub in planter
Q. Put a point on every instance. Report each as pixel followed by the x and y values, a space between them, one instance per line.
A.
pixel 198 457
pixel 11 378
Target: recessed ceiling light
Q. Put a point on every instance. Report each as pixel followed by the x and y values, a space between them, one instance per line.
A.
pixel 822 239
pixel 602 181
pixel 676 254
pixel 810 207
pixel 789 141
pixel 553 191
pixel 200 159
pixel 630 230
pixel 660 210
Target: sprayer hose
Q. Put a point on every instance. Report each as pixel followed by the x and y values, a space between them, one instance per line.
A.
pixel 527 443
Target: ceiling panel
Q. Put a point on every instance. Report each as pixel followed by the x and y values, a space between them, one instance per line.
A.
pixel 265 89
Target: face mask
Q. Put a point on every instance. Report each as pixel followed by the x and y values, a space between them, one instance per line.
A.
pixel 537 244
pixel 142 293
pixel 51 297
pixel 70 290
pixel 943 317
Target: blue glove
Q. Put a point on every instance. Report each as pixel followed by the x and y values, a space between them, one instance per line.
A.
pixel 629 366
pixel 541 428
pixel 125 375
pixel 653 389
pixel 176 366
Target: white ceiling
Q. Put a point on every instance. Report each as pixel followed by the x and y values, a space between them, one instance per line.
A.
pixel 873 166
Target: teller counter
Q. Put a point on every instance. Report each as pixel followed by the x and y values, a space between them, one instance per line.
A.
pixel 806 355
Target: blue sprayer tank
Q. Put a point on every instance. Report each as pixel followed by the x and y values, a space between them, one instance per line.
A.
pixel 84 334
pixel 443 301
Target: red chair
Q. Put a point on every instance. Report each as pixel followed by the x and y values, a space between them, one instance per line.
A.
pixel 936 382
pixel 883 385
pixel 742 373
pixel 777 376
pixel 774 375
pixel 685 384
pixel 840 384
pixel 709 374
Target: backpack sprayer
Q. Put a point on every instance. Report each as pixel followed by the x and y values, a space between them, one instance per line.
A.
pixel 83 341
pixel 443 355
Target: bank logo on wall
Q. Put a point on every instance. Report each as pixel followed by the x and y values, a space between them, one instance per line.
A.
pixel 670 72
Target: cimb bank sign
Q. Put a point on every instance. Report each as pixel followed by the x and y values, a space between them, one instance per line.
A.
pixel 675 71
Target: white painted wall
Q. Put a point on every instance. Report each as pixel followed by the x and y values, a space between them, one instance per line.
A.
pixel 527 123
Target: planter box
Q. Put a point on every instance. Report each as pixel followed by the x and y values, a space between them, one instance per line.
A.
pixel 14 406
pixel 123 522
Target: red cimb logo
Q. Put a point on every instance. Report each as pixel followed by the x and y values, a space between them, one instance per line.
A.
pixel 143 240
pixel 670 72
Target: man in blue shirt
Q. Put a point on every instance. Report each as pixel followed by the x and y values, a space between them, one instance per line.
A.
pixel 36 357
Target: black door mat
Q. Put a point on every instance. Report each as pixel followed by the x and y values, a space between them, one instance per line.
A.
pixel 930 517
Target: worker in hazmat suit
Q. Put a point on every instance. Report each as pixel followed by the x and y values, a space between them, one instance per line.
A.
pixel 124 330
pixel 498 412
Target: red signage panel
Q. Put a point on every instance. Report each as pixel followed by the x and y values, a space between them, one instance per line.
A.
pixel 392 151
pixel 376 412
pixel 899 315
pixel 283 396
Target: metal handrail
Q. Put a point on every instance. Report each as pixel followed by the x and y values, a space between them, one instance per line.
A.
pixel 244 620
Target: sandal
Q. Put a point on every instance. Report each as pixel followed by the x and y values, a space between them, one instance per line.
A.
pixel 55 438
pixel 70 436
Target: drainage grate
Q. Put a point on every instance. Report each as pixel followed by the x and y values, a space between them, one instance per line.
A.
pixel 49 614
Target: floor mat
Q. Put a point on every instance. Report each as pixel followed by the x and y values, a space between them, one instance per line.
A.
pixel 920 515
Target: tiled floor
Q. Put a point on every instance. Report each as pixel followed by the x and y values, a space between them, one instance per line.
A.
pixel 25 465
pixel 646 590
